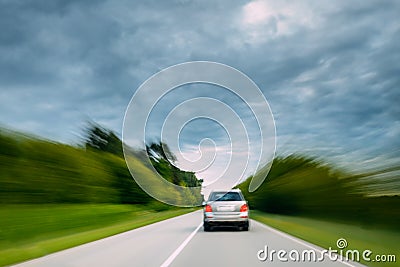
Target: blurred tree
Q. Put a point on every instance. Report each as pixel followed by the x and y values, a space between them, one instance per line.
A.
pixel 8 145
pixel 300 185
pixel 160 150
pixel 161 157
pixel 99 138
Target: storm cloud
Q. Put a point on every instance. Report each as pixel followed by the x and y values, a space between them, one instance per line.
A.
pixel 329 70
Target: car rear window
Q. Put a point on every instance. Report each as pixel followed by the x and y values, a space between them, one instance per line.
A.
pixel 225 196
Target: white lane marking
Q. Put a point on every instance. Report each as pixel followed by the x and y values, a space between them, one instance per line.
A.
pixel 99 241
pixel 298 241
pixel 180 248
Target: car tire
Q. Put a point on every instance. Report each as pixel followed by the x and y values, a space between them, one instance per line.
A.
pixel 206 227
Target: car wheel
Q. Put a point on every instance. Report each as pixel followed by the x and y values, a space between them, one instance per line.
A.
pixel 207 228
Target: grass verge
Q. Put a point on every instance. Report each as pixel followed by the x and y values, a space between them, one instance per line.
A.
pixel 31 231
pixel 326 233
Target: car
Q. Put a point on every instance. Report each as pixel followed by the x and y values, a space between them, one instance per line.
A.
pixel 226 208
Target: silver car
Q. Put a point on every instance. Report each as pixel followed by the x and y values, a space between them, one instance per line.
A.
pixel 226 208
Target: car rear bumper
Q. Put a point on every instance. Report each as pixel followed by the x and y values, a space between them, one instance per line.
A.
pixel 240 218
pixel 240 223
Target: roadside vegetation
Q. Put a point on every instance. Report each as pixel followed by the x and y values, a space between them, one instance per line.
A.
pixel 318 203
pixel 323 233
pixel 40 171
pixel 31 231
pixel 54 196
pixel 302 186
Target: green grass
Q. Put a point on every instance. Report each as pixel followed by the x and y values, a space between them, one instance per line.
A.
pixel 31 231
pixel 326 233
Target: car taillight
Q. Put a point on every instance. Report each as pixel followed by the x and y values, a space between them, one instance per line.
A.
pixel 208 208
pixel 244 208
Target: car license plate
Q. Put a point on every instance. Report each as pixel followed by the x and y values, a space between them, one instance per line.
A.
pixel 226 208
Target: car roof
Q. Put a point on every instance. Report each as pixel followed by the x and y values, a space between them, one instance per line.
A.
pixel 226 190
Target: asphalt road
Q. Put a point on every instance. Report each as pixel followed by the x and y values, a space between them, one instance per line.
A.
pixel 181 241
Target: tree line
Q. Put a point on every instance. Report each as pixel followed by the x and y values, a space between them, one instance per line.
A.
pixel 37 171
pixel 303 186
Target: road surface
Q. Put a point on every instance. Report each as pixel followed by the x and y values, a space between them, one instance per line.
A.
pixel 181 241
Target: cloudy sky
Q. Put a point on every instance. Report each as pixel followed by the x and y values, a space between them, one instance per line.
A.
pixel 329 69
